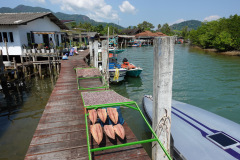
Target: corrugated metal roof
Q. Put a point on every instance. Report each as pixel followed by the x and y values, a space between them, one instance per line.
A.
pixel 150 34
pixel 24 18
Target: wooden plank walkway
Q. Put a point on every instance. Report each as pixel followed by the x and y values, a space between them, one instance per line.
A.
pixel 61 132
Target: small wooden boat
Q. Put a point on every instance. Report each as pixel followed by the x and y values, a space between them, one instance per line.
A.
pixel 116 73
pixel 113 114
pixel 109 130
pixel 116 51
pixel 97 132
pixel 102 114
pixel 92 115
pixel 132 70
pixel 119 130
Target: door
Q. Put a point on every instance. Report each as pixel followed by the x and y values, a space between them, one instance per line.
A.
pixel 45 39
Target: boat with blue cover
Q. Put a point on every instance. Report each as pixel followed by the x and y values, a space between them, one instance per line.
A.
pixel 198 134
pixel 116 73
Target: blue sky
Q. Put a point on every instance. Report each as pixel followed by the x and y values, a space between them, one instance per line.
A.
pixel 133 12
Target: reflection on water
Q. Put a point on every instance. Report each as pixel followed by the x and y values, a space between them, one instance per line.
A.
pixel 209 81
pixel 20 112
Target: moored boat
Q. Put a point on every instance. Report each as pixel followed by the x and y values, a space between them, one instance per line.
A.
pixel 199 134
pixel 132 70
pixel 116 73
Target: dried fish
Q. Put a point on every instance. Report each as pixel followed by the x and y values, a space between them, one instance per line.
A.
pixel 119 130
pixel 102 114
pixel 113 114
pixel 97 132
pixel 93 115
pixel 109 130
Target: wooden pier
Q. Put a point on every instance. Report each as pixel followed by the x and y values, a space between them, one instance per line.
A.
pixel 61 132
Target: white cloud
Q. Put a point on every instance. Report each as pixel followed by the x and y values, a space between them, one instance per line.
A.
pixel 126 7
pixel 95 9
pixel 211 18
pixel 177 21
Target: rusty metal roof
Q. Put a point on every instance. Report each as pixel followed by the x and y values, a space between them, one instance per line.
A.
pixel 150 34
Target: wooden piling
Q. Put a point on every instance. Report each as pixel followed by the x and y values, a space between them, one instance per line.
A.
pixel 49 66
pixel 40 70
pixel 6 49
pixel 162 93
pixel 33 59
pixel 1 62
pixel 15 68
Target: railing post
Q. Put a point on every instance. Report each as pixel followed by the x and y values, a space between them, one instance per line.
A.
pixel 162 93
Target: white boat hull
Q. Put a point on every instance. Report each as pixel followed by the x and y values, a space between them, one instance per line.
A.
pixel 199 134
pixel 122 74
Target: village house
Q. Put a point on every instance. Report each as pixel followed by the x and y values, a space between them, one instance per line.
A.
pixel 20 30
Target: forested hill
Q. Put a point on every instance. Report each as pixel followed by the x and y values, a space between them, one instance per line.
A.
pixel 62 16
pixel 192 24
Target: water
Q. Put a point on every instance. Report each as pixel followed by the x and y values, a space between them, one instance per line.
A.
pixel 206 80
pixel 18 124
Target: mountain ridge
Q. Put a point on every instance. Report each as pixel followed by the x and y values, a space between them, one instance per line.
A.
pixel 192 24
pixel 62 16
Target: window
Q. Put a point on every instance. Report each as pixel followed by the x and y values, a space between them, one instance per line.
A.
pixel 5 37
pixel 11 36
pixel 1 40
pixel 8 36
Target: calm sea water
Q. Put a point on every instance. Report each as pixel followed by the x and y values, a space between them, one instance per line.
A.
pixel 202 79
pixel 18 125
pixel 206 80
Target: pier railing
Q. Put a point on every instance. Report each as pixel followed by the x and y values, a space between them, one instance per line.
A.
pixel 130 104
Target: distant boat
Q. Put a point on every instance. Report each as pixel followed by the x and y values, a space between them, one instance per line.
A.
pixel 199 134
pixel 116 51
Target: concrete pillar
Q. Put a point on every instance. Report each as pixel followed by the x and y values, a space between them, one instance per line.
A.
pixel 105 59
pixel 162 93
pixel 95 56
pixel 91 53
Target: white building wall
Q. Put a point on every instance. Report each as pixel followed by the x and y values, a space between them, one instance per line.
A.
pixel 20 34
pixel 14 48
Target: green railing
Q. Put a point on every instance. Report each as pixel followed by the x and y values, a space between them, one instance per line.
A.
pixel 100 77
pixel 126 104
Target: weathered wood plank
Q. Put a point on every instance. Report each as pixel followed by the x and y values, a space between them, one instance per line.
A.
pixel 58 137
pixel 61 132
pixel 70 154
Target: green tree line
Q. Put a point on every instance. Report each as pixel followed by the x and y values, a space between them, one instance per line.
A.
pixel 144 26
pixel 99 28
pixel 222 34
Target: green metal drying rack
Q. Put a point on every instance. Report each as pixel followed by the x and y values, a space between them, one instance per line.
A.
pixel 82 88
pixel 130 104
